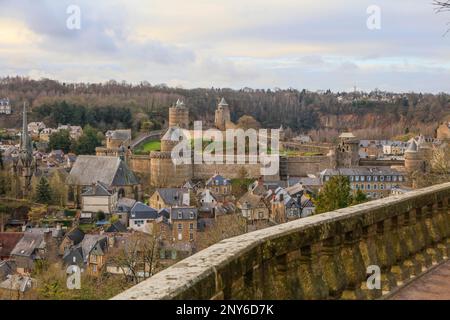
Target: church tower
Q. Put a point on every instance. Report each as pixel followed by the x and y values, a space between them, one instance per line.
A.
pixel 222 117
pixel 24 165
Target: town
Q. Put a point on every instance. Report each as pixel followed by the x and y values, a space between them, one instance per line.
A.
pixel 126 211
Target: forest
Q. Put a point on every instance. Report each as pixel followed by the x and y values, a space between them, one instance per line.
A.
pixel 140 106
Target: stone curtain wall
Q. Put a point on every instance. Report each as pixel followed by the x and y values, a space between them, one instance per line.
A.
pixel 319 257
pixel 302 166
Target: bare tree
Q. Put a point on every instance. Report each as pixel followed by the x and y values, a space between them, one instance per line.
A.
pixel 442 6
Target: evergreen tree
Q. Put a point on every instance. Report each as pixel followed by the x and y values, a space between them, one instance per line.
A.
pixel 43 191
pixel 60 141
pixel 360 197
pixel 335 194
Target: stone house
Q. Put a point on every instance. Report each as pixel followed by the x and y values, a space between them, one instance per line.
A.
pixel 98 197
pixel 253 207
pixel 184 224
pixel 71 238
pixel 31 248
pixel 170 197
pixel 111 171
pixel 219 185
pixel 142 218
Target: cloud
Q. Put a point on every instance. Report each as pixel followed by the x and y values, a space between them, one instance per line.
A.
pixel 256 43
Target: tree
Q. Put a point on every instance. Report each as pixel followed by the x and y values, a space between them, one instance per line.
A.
pixel 248 122
pixel 335 194
pixel 137 257
pixel 360 197
pixel 60 141
pixel 88 141
pixel 43 191
pixel 100 216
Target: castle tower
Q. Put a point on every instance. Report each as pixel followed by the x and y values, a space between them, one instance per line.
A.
pixel 179 115
pixel 24 165
pixel 163 172
pixel 414 159
pixel 222 116
pixel 347 152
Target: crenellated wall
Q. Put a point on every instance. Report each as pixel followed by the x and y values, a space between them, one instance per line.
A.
pixel 320 257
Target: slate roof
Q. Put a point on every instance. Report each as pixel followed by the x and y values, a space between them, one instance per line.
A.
pixel 97 190
pixel 8 240
pixel 28 244
pixel 76 235
pixel 142 211
pixel 223 103
pixel 111 171
pixel 218 180
pixel 123 135
pixel 172 196
pixel 249 200
pixel 412 147
pixel 7 267
pixel 91 242
pixel 125 204
pixel 116 227
pixel 362 171
pixel 187 213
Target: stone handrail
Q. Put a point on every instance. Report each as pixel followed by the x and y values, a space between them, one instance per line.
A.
pixel 320 257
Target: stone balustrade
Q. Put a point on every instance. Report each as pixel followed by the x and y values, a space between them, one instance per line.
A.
pixel 320 257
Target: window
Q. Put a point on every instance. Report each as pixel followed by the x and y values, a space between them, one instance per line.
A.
pixel 394 178
pixel 351 178
pixel 357 178
pixel 191 226
pixel 362 187
pixel 368 186
pixel 363 178
pixel 381 178
pixel 357 186
pixel 94 268
pixel 180 226
pixel 388 178
pixel 180 215
pixel 191 215
pixel 93 258
pixel 191 236
pixel 369 178
pixel 375 186
pixel 375 178
pixel 180 236
pixel 382 186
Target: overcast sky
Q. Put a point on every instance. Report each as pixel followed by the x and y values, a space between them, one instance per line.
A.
pixel 308 44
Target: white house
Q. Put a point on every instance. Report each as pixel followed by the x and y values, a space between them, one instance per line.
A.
pixel 142 217
pixel 98 198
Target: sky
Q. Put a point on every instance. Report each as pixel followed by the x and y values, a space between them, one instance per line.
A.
pixel 311 44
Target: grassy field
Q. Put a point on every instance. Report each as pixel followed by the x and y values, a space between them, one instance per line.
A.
pixel 153 145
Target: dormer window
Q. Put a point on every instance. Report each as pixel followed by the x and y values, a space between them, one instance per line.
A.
pixel 180 215
pixel 191 215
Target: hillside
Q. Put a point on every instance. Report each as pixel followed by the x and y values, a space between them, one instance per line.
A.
pixel 114 104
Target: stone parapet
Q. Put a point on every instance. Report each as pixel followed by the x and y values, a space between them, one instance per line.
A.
pixel 320 257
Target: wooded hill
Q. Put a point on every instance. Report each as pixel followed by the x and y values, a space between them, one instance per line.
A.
pixel 120 105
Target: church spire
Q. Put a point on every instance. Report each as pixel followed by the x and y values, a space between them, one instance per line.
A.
pixel 25 138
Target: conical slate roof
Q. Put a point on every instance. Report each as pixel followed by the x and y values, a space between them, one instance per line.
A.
pixel 412 146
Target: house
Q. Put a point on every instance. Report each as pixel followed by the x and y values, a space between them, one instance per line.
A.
pixel 184 224
pixel 70 159
pixel 30 248
pixel 88 254
pixel 16 287
pixel 219 185
pixel 375 182
pixel 142 218
pixel 71 238
pixel 34 128
pixel 5 107
pixel 169 197
pixel 75 132
pixel 44 134
pixel 8 240
pixel 206 198
pixel 123 209
pixel 111 171
pixel 56 156
pixel 98 198
pixel 253 207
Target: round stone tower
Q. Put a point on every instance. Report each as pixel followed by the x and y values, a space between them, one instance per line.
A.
pixel 414 159
pixel 179 115
pixel 163 172
pixel 222 116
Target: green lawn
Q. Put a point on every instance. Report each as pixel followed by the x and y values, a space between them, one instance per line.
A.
pixel 149 146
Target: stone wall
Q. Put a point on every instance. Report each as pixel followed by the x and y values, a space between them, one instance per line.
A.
pixel 231 171
pixel 302 166
pixel 320 257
